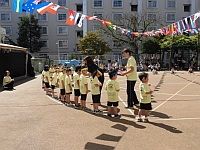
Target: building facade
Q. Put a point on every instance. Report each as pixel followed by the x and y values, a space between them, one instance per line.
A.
pixel 58 37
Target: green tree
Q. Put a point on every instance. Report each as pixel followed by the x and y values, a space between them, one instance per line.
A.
pixel 134 22
pixel 151 45
pixel 92 44
pixel 29 33
pixel 72 56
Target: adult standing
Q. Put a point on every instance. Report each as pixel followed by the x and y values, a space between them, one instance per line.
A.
pixel 131 73
pixel 92 67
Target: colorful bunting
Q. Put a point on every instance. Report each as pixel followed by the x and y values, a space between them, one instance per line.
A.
pixel 44 7
pixel 30 5
pixel 17 5
pixel 70 19
pixel 81 20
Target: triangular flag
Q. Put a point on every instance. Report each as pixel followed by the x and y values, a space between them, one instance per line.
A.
pixel 30 5
pixel 76 16
pixel 53 9
pixel 17 5
pixel 43 7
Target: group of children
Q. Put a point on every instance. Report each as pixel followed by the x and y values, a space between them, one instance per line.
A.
pixel 61 77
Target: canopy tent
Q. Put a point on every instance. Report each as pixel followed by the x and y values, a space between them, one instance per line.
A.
pixel 12 47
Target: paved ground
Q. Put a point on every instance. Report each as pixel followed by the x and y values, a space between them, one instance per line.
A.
pixel 30 120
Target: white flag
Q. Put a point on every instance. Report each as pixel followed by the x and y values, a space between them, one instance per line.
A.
pixel 81 21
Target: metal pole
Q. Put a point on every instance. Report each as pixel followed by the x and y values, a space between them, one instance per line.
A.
pixel 58 52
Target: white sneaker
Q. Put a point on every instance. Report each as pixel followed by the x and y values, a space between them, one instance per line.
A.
pixel 146 119
pixel 139 119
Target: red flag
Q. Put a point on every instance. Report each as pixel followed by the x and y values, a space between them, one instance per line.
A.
pixel 70 19
pixel 53 9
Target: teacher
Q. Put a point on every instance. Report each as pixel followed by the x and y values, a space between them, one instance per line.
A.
pixel 92 67
pixel 131 73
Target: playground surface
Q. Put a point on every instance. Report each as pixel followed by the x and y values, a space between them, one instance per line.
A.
pixel 31 120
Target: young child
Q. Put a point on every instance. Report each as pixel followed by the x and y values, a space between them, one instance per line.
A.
pixel 54 81
pixel 172 70
pixel 51 71
pixel 46 79
pixel 77 85
pixel 95 90
pixel 83 87
pixel 145 96
pixel 190 70
pixel 7 81
pixel 68 86
pixel 62 84
pixel 112 88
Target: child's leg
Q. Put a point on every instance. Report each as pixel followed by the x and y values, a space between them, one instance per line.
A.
pixel 76 100
pixel 146 113
pixel 140 112
pixel 62 98
pixel 84 104
pixel 68 98
pixel 95 106
pixel 52 92
pixel 109 109
pixel 115 110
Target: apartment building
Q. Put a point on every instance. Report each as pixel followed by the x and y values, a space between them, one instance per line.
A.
pixel 60 37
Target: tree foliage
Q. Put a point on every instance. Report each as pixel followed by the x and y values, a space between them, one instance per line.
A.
pixel 132 21
pixel 151 45
pixel 29 33
pixel 92 44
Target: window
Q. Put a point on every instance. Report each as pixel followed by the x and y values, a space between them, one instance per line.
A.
pixel 79 34
pixel 187 8
pixel 43 17
pixel 4 3
pixel 152 4
pixel 61 17
pixel 134 7
pixel 117 4
pixel 98 14
pixel 117 16
pixel 152 17
pixel 62 30
pixel 45 43
pixel 95 29
pixel 170 17
pixel 79 7
pixel 63 43
pixel 150 28
pixel 62 3
pixel 98 3
pixel 5 16
pixel 8 30
pixel 44 30
pixel 171 4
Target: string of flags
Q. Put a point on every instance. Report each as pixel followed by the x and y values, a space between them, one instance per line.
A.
pixel 188 24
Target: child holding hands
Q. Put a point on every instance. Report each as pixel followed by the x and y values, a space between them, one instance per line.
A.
pixel 145 97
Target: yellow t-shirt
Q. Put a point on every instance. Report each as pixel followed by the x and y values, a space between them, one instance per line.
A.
pixel 67 84
pixel 6 79
pixel 83 82
pixel 144 98
pixel 111 87
pixel 72 69
pixel 51 71
pixel 54 78
pixel 62 78
pixel 46 76
pixel 133 75
pixel 95 90
pixel 76 78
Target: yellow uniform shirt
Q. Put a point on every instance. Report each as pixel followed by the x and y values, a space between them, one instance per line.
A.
pixel 72 69
pixel 144 98
pixel 83 82
pixel 62 78
pixel 54 78
pixel 67 84
pixel 133 75
pixel 6 79
pixel 95 90
pixel 111 87
pixel 46 76
pixel 76 78
pixel 51 71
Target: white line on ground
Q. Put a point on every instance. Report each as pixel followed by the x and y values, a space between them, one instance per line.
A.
pixel 179 119
pixel 174 95
pixel 125 105
pixel 54 100
pixel 177 94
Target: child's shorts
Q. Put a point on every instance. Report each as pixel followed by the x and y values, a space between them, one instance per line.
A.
pixel 47 85
pixel 96 98
pixel 112 104
pixel 77 92
pixel 53 87
pixel 83 97
pixel 146 106
pixel 69 93
pixel 62 91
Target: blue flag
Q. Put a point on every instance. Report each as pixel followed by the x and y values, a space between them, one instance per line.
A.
pixel 30 5
pixel 17 5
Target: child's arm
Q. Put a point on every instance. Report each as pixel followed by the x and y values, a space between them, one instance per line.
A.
pixel 63 84
pixel 78 82
pixel 86 86
pixel 70 86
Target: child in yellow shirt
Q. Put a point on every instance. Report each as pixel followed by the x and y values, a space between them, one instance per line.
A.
pixel 68 87
pixel 83 87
